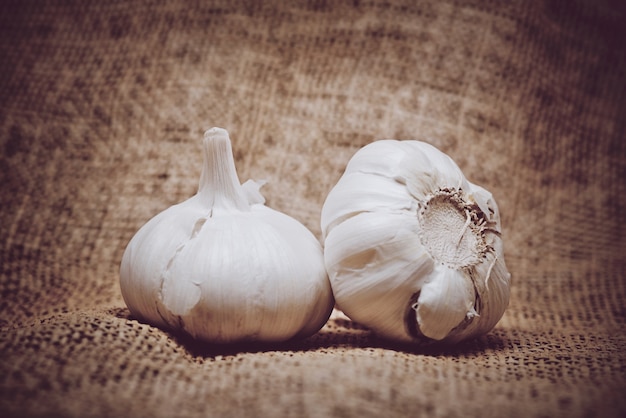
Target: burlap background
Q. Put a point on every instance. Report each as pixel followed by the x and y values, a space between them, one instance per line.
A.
pixel 102 109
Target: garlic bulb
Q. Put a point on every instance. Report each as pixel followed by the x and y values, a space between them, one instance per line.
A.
pixel 413 250
pixel 223 267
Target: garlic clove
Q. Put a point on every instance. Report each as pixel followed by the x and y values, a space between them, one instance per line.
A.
pixel 362 192
pixel 382 160
pixel 148 254
pixel 445 300
pixel 317 300
pixel 376 263
pixel 424 169
pixel 492 283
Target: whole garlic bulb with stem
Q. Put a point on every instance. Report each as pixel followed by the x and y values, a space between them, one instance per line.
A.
pixel 223 267
pixel 412 248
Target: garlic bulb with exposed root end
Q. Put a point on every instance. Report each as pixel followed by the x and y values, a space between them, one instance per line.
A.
pixel 223 267
pixel 413 250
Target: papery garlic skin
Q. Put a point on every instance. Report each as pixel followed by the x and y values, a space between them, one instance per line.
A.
pixel 223 267
pixel 413 250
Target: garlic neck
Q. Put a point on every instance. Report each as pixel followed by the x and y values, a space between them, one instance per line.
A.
pixel 453 230
pixel 219 184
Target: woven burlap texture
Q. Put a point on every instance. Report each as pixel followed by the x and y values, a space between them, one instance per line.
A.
pixel 102 110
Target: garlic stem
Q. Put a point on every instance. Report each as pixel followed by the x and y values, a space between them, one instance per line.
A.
pixel 219 184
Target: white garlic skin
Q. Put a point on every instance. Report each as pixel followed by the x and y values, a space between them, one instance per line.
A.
pixel 223 267
pixel 413 250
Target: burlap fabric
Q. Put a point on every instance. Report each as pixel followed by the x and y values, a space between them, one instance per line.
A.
pixel 102 110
